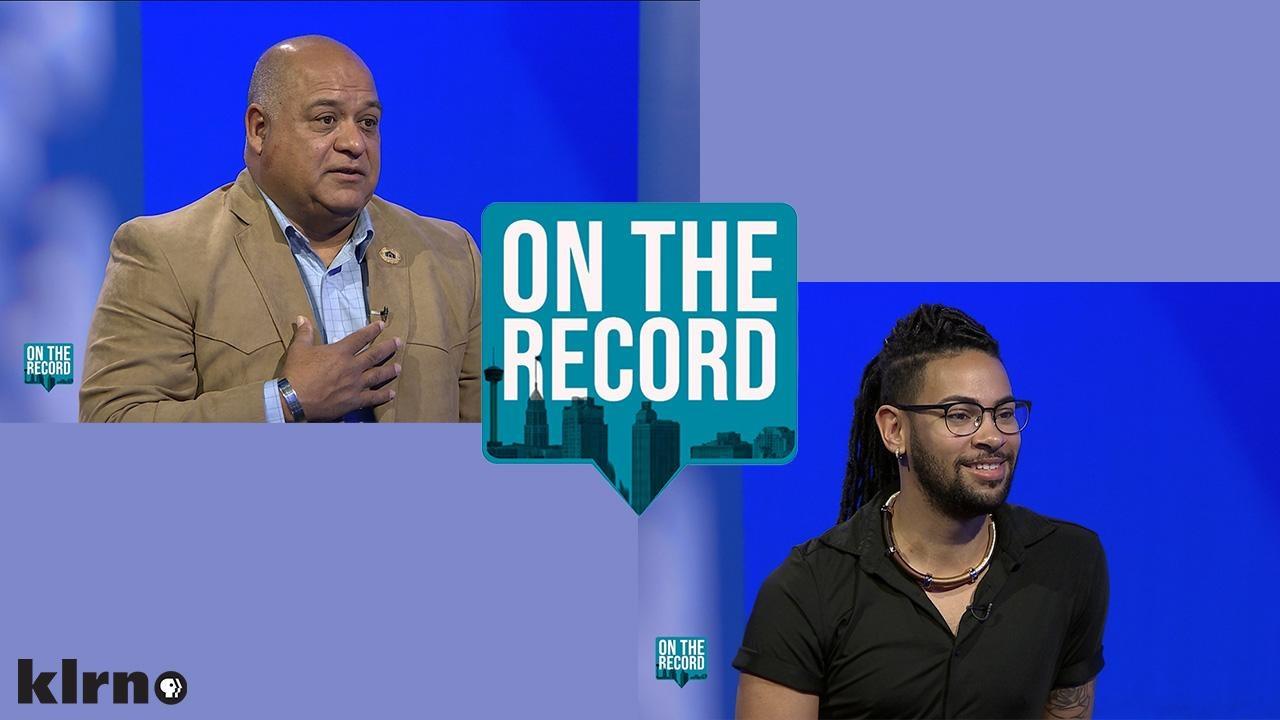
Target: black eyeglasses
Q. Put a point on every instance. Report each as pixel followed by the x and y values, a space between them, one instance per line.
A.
pixel 964 418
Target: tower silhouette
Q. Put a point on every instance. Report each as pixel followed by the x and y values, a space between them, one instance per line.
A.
pixel 535 414
pixel 655 455
pixel 493 376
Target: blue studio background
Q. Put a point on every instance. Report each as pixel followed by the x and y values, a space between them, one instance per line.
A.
pixel 1155 406
pixel 482 103
pixel 130 109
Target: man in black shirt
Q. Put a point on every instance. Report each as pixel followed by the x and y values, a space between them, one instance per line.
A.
pixel 932 597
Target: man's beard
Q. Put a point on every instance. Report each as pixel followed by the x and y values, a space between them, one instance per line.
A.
pixel 947 491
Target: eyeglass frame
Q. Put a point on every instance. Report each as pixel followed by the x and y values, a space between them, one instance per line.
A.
pixel 982 417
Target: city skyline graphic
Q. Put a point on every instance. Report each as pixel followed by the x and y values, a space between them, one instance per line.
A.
pixel 656 456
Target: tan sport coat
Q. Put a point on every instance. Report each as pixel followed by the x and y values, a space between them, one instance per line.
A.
pixel 198 306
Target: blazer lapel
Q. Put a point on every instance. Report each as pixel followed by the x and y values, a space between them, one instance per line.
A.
pixel 388 261
pixel 270 261
pixel 265 251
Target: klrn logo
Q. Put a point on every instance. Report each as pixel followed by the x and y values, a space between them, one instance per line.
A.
pixel 170 687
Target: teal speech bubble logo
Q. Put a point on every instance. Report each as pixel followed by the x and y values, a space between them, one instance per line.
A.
pixel 640 337
pixel 681 658
pixel 47 364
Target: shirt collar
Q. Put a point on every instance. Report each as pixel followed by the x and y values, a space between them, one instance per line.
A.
pixel 1017 528
pixel 362 234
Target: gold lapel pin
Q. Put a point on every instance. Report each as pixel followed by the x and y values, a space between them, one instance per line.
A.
pixel 389 256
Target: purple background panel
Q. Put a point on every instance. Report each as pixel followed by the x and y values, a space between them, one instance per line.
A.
pixel 340 571
pixel 1001 140
pixel 690 581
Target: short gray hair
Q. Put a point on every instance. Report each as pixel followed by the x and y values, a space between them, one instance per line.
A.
pixel 265 83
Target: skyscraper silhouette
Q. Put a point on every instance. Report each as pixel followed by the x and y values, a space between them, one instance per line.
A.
pixel 535 414
pixel 775 441
pixel 585 433
pixel 655 455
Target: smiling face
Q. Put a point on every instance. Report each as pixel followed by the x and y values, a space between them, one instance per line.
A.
pixel 962 477
pixel 315 146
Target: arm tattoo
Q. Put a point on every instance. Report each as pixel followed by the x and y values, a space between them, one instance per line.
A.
pixel 1072 702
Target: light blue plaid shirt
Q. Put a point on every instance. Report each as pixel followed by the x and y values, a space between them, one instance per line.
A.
pixel 336 293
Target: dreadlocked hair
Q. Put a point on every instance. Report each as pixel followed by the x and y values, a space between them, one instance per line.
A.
pixel 893 376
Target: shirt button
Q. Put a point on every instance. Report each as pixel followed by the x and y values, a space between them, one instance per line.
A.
pixel 957 653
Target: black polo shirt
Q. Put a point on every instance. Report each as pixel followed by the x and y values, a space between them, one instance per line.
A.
pixel 839 620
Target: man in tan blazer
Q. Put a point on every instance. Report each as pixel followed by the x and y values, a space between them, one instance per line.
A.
pixel 293 293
